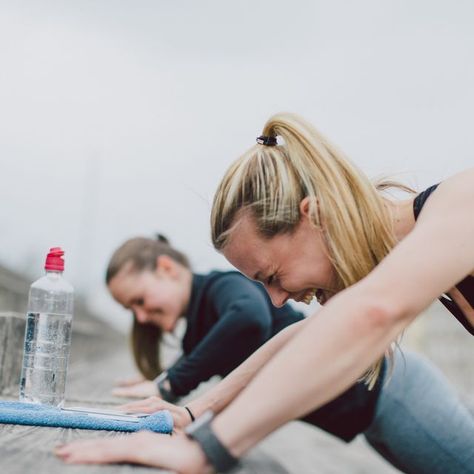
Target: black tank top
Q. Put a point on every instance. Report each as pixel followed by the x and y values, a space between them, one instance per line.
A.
pixel 465 287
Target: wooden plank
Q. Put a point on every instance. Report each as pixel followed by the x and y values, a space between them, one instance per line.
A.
pixel 12 330
pixel 99 355
pixel 29 449
pixel 95 363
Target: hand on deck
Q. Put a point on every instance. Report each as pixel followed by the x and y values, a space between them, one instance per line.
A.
pixel 128 381
pixel 140 389
pixel 180 415
pixel 177 453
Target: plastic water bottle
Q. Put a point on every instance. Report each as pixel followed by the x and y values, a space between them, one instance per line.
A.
pixel 47 335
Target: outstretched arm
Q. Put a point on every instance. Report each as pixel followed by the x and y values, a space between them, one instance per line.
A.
pixel 244 323
pixel 356 326
pixel 225 391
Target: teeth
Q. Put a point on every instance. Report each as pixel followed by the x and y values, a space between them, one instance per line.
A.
pixel 320 296
pixel 309 296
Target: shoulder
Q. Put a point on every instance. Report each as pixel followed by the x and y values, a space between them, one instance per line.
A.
pixel 232 289
pixel 435 255
pixel 454 196
pixel 232 281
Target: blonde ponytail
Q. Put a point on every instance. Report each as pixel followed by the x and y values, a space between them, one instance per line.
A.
pixel 271 181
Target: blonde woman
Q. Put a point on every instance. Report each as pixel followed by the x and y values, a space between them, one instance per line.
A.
pixel 296 215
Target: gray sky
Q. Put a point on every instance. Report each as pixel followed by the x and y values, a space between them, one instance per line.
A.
pixel 118 118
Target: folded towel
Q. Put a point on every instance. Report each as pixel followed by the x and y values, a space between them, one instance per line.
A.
pixel 19 413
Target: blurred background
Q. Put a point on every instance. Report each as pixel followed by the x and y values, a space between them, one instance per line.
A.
pixel 119 117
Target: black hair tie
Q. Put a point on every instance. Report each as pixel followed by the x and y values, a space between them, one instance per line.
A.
pixel 267 141
pixel 190 414
pixel 161 238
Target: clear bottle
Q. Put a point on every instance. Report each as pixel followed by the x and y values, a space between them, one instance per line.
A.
pixel 47 335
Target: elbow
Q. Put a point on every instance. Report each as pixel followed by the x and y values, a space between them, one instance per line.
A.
pixel 260 331
pixel 379 315
pixel 383 313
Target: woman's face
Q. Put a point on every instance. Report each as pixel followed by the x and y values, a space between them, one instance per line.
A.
pixel 157 296
pixel 291 266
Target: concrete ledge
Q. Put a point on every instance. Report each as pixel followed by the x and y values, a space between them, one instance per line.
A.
pixel 12 333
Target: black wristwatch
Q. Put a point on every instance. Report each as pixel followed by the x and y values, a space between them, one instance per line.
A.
pixel 216 453
pixel 164 388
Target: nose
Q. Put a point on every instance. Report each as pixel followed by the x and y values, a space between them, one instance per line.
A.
pixel 141 315
pixel 278 296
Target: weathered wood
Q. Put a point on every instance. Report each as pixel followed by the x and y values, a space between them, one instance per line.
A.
pixel 29 449
pixel 97 360
pixel 99 355
pixel 12 329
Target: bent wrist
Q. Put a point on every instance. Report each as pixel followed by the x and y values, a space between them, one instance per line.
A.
pixel 216 453
pixel 204 403
pixel 164 388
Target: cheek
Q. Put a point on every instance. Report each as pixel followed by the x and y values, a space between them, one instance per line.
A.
pixel 328 275
pixel 306 275
pixel 294 281
pixel 151 299
pixel 171 298
pixel 167 323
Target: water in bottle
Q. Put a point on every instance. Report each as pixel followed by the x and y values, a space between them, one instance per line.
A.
pixel 47 335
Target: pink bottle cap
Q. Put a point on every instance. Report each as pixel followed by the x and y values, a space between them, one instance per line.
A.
pixel 54 259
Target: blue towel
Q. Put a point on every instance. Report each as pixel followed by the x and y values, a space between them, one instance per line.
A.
pixel 19 413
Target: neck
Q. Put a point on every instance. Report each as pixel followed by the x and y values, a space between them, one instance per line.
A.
pixel 402 217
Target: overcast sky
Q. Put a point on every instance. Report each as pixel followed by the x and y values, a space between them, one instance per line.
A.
pixel 118 118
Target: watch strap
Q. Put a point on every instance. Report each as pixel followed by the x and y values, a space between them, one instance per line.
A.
pixel 216 453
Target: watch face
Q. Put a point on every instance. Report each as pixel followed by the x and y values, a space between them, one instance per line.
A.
pixel 205 418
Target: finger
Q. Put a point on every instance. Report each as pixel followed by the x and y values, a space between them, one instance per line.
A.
pixel 140 404
pixel 127 382
pixel 94 451
pixel 135 408
pixel 123 392
pixel 140 409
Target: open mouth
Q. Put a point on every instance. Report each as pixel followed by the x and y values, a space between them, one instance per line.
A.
pixel 317 293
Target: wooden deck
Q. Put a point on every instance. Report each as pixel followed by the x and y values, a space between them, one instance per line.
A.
pixel 99 356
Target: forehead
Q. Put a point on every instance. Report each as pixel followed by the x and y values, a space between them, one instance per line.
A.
pixel 125 281
pixel 246 249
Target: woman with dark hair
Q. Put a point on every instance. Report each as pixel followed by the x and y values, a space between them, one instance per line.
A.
pixel 228 316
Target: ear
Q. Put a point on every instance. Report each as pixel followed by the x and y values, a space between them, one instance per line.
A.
pixel 307 211
pixel 166 265
pixel 304 206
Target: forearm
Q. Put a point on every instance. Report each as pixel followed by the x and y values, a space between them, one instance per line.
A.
pixel 222 394
pixel 317 364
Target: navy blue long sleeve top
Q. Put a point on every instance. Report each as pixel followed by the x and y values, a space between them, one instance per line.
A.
pixel 228 318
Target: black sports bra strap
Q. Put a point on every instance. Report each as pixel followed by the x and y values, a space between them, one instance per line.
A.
pixel 420 200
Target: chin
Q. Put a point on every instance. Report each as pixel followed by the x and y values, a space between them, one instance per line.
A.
pixel 169 328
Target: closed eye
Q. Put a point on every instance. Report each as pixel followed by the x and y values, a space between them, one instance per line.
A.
pixel 136 302
pixel 271 279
